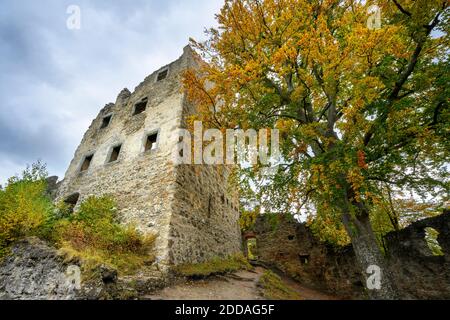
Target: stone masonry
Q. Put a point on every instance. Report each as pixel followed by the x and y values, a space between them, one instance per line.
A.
pixel 127 153
pixel 292 248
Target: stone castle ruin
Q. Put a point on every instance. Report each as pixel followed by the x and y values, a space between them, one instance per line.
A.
pixel 127 153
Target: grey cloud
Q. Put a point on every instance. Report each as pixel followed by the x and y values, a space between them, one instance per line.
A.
pixel 53 81
pixel 19 143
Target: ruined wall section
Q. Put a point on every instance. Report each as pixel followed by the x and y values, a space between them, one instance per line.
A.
pixel 141 181
pixel 205 216
pixel 291 247
pixel 418 274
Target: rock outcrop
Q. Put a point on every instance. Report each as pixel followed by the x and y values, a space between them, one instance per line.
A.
pixel 35 271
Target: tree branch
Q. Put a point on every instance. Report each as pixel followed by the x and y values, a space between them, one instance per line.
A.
pixel 401 8
pixel 402 79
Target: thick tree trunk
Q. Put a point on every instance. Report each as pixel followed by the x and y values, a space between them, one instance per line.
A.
pixel 369 255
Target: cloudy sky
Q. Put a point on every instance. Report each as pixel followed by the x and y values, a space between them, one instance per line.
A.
pixel 54 80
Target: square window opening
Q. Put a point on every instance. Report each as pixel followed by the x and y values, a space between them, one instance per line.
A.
pixel 71 201
pixel 151 141
pixel 86 163
pixel 162 75
pixel 106 121
pixel 115 154
pixel 140 107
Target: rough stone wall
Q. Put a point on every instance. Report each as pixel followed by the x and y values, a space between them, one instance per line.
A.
pixel 290 247
pixel 148 187
pixel 418 274
pixel 205 216
pixel 204 223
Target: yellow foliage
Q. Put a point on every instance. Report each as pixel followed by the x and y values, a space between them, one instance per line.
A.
pixel 355 106
pixel 327 226
pixel 247 219
pixel 94 234
pixel 24 210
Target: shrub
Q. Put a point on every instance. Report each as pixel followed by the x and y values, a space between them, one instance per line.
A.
pixel 247 219
pixel 25 210
pixel 94 232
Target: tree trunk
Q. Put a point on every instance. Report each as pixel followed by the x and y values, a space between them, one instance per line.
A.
pixel 368 254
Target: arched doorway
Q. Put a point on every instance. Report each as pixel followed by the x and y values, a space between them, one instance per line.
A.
pixel 251 249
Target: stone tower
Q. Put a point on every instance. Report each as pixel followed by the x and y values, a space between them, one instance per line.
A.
pixel 127 153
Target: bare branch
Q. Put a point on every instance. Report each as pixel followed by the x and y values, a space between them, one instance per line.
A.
pixel 398 5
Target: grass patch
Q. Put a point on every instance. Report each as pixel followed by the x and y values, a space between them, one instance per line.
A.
pixel 273 288
pixel 214 266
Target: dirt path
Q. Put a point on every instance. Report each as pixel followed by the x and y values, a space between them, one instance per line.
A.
pixel 305 292
pixel 241 285
pixel 237 286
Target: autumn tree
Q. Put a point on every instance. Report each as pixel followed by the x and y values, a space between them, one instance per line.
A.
pixel 358 106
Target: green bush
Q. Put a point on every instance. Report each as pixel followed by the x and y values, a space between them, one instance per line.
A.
pixel 92 233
